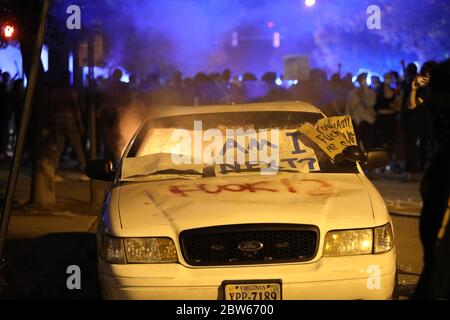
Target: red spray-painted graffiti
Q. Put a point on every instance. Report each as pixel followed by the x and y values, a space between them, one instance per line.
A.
pixel 235 187
pixel 321 188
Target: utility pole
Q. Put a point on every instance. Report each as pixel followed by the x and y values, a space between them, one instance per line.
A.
pixel 18 152
pixel 91 108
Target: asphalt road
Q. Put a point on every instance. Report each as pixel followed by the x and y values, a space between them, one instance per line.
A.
pixel 42 244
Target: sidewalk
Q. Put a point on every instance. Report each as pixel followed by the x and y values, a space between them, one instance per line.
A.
pixel 73 212
pixel 41 244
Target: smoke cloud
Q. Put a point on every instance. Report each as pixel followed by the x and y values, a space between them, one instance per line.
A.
pixel 195 35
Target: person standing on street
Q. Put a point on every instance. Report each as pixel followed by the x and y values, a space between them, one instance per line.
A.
pixel 5 112
pixel 360 107
pixel 408 124
pixel 418 101
pixel 434 227
pixel 67 117
pixel 386 123
pixel 116 100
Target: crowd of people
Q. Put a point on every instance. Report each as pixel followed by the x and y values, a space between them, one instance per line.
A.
pixel 391 112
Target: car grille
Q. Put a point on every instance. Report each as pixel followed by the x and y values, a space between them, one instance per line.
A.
pixel 249 244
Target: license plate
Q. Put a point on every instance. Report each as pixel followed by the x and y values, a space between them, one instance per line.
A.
pixel 253 291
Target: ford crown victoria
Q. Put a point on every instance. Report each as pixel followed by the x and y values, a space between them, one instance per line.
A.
pixel 234 202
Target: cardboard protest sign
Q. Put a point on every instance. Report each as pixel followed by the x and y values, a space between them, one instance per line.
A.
pixel 343 124
pixel 331 134
pixel 291 155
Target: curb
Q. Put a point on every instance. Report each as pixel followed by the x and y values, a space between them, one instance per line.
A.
pixel 405 214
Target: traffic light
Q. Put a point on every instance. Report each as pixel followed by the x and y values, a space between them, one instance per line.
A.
pixel 8 31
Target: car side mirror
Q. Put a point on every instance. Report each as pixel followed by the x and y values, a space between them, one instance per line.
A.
pixel 376 158
pixel 354 154
pixel 100 169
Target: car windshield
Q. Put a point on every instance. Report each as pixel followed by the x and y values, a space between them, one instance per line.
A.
pixel 227 143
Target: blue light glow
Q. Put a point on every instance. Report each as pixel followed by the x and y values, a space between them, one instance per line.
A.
pixel 197 36
pixel 105 73
pixel 11 61
pixel 71 66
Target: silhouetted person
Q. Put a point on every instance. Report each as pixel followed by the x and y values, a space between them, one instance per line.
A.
pixel 216 91
pixel 347 82
pixel 188 91
pixel 172 93
pixel 116 98
pixel 200 92
pixel 435 190
pixel 67 120
pixel 419 102
pixel 314 90
pixel 386 122
pixel 132 82
pixel 151 83
pixel 409 123
pixel 396 81
pixel 375 83
pixel 226 76
pixel 360 107
pixel 236 91
pixel 225 79
pixel 5 112
pixel 253 90
pixel 339 95
pixel 275 92
pixel 17 100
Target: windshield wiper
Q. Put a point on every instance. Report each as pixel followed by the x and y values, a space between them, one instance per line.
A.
pixel 175 171
pixel 167 174
pixel 247 170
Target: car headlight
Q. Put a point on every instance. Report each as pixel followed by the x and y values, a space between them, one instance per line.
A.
pixel 137 250
pixel 348 242
pixel 150 250
pixel 112 249
pixel 359 241
pixel 383 239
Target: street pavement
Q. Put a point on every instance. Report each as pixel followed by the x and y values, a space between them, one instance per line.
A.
pixel 43 243
pixel 404 204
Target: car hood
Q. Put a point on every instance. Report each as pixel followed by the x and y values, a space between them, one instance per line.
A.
pixel 330 201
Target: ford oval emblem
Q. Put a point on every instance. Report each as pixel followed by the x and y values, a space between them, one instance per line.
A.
pixel 250 246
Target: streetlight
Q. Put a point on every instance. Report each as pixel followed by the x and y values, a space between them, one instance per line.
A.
pixel 310 3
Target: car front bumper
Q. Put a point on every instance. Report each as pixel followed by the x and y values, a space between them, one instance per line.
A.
pixel 348 278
